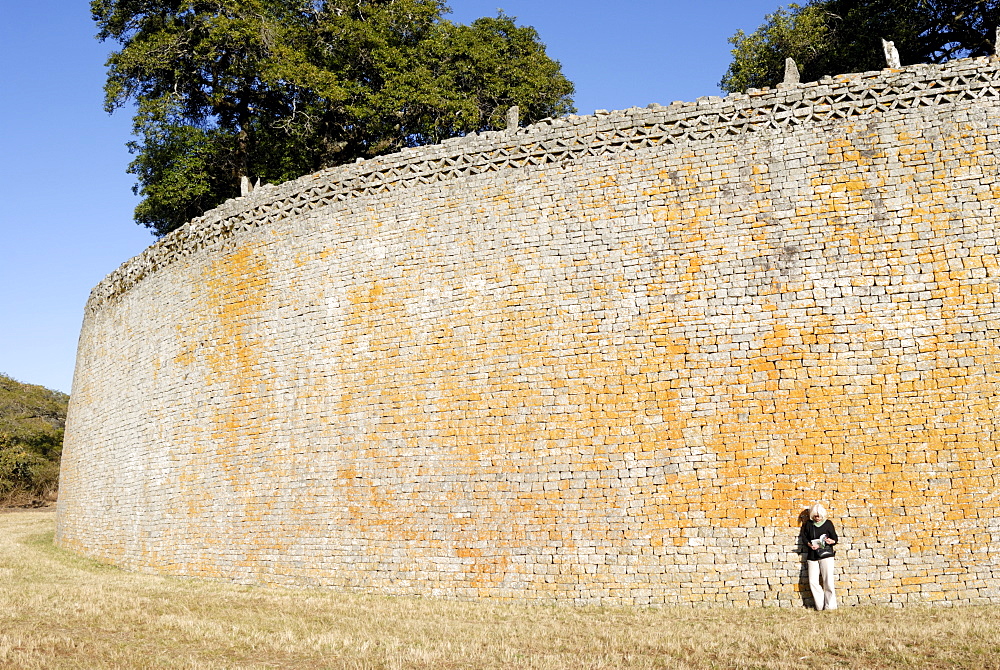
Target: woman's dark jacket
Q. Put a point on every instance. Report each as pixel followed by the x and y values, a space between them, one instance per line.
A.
pixel 810 532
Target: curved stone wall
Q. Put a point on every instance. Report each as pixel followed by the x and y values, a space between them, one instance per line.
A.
pixel 602 359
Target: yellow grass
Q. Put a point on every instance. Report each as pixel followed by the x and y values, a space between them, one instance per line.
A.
pixel 61 611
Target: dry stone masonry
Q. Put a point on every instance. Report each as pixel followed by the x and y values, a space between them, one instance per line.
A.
pixel 602 359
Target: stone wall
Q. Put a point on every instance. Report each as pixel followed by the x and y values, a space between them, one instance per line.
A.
pixel 603 359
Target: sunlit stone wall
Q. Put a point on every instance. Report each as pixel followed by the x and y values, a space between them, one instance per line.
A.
pixel 603 359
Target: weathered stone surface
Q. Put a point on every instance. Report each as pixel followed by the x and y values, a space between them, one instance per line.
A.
pixel 601 359
pixel 513 118
pixel 791 72
pixel 891 54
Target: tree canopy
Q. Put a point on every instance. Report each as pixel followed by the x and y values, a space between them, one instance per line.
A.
pixel 273 89
pixel 828 37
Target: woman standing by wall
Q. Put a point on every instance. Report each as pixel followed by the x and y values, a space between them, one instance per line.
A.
pixel 818 537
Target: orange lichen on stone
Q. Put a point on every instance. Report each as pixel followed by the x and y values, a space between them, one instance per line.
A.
pixel 610 376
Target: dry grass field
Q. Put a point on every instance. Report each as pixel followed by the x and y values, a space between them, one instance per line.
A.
pixel 60 611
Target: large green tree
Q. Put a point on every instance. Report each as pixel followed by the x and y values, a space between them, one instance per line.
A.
pixel 273 89
pixel 828 37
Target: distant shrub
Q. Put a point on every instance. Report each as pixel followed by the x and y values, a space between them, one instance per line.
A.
pixel 32 419
pixel 23 473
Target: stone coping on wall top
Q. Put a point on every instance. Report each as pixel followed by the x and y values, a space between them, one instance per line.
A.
pixel 565 139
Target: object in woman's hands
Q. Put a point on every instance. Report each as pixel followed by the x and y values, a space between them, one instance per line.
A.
pixel 823 550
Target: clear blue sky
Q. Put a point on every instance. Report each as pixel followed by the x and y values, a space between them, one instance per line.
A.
pixel 65 220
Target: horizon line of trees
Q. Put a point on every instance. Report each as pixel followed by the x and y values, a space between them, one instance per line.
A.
pixel 228 91
pixel 32 421
pixel 830 37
